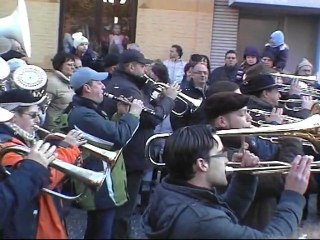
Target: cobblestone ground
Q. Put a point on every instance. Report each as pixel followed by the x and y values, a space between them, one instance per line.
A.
pixel 76 222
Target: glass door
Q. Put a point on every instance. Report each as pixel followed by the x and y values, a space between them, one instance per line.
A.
pixel 108 24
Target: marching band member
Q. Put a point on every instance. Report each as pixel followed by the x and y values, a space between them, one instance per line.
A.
pixel 233 115
pixel 196 89
pixel 25 182
pixel 41 218
pixel 187 205
pixel 86 115
pixel 128 81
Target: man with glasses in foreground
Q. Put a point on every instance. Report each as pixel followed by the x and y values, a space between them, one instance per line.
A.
pixel 187 205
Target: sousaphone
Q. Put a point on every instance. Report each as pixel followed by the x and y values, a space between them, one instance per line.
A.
pixel 16 26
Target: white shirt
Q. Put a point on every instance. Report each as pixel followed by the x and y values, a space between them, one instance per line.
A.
pixel 175 69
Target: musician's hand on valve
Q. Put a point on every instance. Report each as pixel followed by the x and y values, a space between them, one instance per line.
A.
pixel 42 153
pixel 275 116
pixel 74 138
pixel 246 158
pixel 295 88
pixel 172 91
pixel 297 179
pixel 136 107
pixel 307 102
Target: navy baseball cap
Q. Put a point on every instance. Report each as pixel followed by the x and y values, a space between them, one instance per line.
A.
pixel 132 55
pixel 84 75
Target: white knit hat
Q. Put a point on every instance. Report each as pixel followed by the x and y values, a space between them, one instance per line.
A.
pixel 304 62
pixel 78 38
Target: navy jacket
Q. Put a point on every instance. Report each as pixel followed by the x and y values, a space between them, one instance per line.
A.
pixel 223 74
pixel 128 85
pixel 181 211
pixel 17 192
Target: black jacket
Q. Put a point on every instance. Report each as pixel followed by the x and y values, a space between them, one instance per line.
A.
pixel 189 117
pixel 128 85
pixel 181 211
pixel 223 74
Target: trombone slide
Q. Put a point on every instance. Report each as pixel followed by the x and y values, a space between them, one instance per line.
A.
pixel 267 168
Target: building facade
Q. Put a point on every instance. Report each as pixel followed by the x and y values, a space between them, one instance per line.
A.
pixel 209 27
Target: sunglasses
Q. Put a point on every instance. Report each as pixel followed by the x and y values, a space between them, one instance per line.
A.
pixel 33 114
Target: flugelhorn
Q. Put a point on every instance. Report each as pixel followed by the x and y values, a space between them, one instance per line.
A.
pixel 108 156
pixel 191 103
pixel 88 177
pixel 302 129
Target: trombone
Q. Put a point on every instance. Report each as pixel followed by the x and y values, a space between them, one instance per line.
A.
pixel 267 167
pixel 307 79
pixel 190 102
pixel 109 157
pixel 309 91
pixel 294 109
pixel 88 177
pixel 302 129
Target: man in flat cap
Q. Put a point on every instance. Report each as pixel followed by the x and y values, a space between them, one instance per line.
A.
pixel 233 114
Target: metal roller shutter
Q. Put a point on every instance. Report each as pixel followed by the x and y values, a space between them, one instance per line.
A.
pixel 224 32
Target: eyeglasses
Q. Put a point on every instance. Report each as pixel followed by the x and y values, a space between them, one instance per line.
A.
pixel 223 154
pixel 33 114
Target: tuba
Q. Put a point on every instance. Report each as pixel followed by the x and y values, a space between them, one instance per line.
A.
pixel 16 26
pixel 88 177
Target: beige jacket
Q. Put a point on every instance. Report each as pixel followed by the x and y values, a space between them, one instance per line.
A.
pixel 60 94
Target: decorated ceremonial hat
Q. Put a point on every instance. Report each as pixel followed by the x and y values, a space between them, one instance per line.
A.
pixel 14 98
pixel 32 78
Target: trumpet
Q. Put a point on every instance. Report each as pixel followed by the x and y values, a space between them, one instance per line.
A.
pixel 302 129
pixel 88 177
pixel 123 100
pixel 190 102
pixel 109 157
pixel 308 79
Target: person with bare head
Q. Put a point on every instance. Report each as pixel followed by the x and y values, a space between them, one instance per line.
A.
pixel 196 89
pixel 175 64
pixel 187 203
pixel 227 72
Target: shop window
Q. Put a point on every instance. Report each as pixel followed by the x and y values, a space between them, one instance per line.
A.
pixel 108 24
